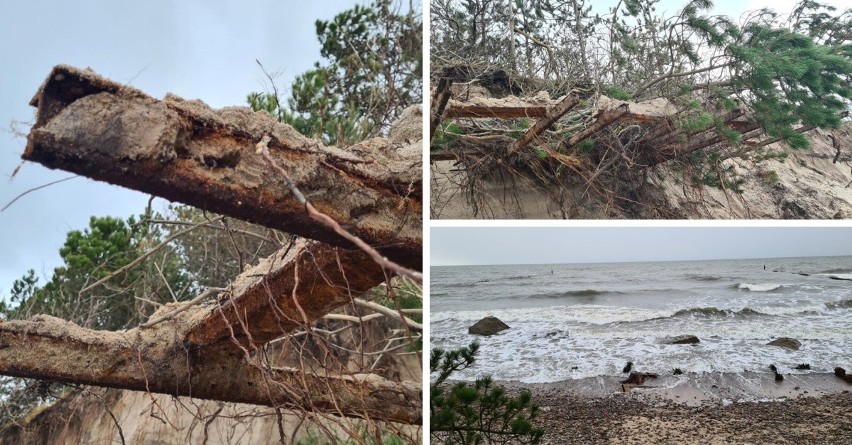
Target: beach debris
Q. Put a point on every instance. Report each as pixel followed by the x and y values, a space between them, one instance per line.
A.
pixel 556 333
pixel 627 367
pixel 840 372
pixel 487 326
pixel 681 340
pixel 638 378
pixel 677 371
pixel 786 342
pixel 803 366
pixel 778 376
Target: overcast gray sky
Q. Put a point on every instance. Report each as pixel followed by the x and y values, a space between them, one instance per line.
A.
pixel 547 245
pixel 196 49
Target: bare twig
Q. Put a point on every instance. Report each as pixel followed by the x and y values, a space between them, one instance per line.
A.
pixel 143 256
pixel 201 297
pixel 263 148
pixel 34 189
pixel 553 115
pixel 388 312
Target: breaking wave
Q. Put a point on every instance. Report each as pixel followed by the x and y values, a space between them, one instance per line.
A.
pixel 838 276
pixel 842 304
pixel 574 293
pixel 704 277
pixel 716 312
pixel 760 287
pixel 835 271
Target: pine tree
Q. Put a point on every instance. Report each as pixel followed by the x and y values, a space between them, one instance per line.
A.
pixel 480 413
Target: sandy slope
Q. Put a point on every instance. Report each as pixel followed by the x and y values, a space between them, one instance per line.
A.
pixel 807 185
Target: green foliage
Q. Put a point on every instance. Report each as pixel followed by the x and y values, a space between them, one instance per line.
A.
pixel 709 170
pixel 586 146
pixel 314 438
pixel 696 123
pixel 770 177
pixel 541 154
pixel 519 127
pixel 617 93
pixel 478 413
pixel 730 135
pixel 371 72
pixel 787 77
pixel 446 133
pixel 107 245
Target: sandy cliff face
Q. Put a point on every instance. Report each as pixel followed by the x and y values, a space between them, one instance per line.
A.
pixel 807 185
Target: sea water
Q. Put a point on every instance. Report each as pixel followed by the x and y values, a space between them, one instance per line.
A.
pixel 585 320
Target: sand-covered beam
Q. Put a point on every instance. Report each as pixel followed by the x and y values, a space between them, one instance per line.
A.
pixel 184 151
pixel 292 288
pixel 505 108
pixel 157 360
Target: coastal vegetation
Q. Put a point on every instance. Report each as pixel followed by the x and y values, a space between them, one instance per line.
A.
pixel 637 88
pixel 481 413
pixel 216 320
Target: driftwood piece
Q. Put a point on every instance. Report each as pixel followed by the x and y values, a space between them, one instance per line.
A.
pixel 184 151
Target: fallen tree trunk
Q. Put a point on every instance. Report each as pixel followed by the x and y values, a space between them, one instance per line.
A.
pixel 156 360
pixel 184 151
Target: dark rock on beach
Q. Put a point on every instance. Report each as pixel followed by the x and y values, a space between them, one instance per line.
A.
pixel 803 366
pixel 840 372
pixel 786 342
pixel 681 340
pixel 638 378
pixel 487 326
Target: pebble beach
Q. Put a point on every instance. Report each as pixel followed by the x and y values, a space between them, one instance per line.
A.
pixel 812 409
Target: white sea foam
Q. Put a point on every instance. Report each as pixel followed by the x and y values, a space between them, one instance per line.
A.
pixel 761 287
pixel 837 276
pixel 594 314
pixel 589 334
pixel 536 351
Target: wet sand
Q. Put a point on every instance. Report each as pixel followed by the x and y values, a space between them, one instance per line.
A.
pixel 715 408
